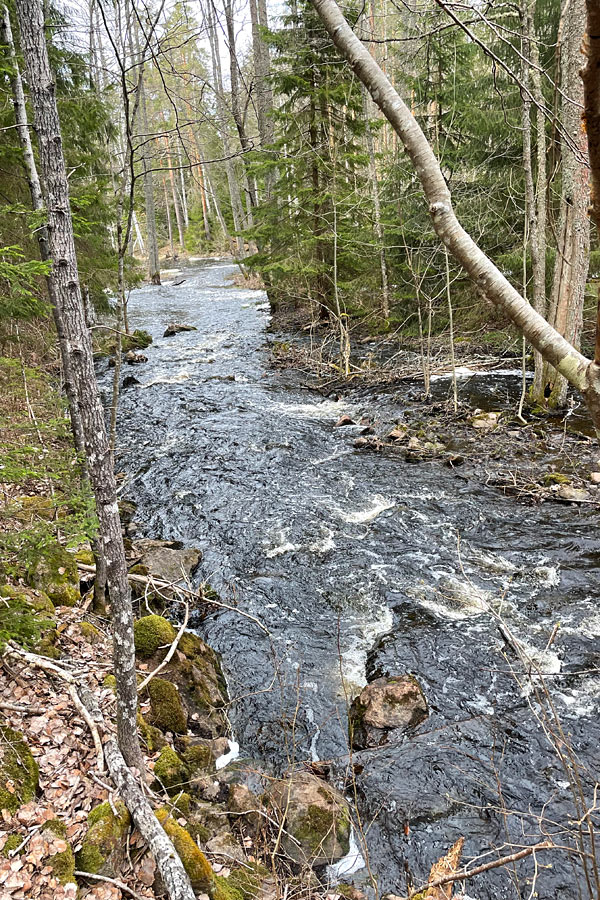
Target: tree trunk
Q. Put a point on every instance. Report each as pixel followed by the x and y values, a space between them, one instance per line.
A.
pixel 234 189
pixel 535 188
pixel 37 202
pixel 488 279
pixel 573 244
pixel 176 205
pixel 79 347
pixel 591 87
pixel 149 203
pixel 385 293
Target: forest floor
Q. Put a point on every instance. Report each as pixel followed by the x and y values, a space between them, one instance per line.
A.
pixel 539 456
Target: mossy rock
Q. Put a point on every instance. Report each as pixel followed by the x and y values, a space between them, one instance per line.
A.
pixel 35 506
pixel 54 571
pixel 19 775
pixel 12 842
pixel 556 478
pixel 26 617
pixel 150 633
pixel 138 340
pixel 225 889
pixel 85 556
pixel 170 770
pixel 104 842
pixel 195 863
pixel 167 710
pixel 248 880
pixel 152 736
pixel 199 758
pixel 91 634
pixel 63 862
pixel 317 819
pixel 111 682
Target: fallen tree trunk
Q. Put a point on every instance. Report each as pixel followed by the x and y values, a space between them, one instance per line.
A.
pixel 582 373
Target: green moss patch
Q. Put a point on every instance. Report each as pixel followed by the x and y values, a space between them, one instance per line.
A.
pixel 150 633
pixel 19 776
pixel 167 711
pixel 194 861
pixel 170 770
pixel 104 840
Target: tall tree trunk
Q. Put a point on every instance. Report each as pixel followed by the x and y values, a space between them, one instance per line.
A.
pixel 176 205
pixel 37 202
pixel 149 203
pixel 535 188
pixel 492 284
pixel 237 211
pixel 573 244
pixel 79 346
pixel 262 74
pixel 168 214
pixel 385 293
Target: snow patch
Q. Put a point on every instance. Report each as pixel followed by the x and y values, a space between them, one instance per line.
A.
pixel 226 758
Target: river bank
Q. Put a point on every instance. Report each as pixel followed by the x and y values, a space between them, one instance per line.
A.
pixel 364 566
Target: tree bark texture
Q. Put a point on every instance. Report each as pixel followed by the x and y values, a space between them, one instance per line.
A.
pixel 78 346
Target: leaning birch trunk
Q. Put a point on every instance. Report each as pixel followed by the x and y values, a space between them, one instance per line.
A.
pixel 487 278
pixel 37 202
pixel 573 245
pixel 79 346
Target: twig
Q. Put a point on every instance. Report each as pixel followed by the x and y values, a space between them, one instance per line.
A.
pixel 158 583
pixel 25 841
pixel 170 654
pixel 494 864
pixel 30 710
pixel 120 884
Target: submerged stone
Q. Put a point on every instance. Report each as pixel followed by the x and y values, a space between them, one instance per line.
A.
pixel 385 705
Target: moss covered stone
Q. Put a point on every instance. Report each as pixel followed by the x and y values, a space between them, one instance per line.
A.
pixel 167 710
pixel 105 839
pixel 248 880
pixel 92 634
pixel 63 862
pixel 110 682
pixel 150 633
pixel 152 736
pixel 19 774
pixel 54 571
pixel 225 889
pixel 12 842
pixel 170 770
pixel 317 819
pixel 199 758
pixel 194 861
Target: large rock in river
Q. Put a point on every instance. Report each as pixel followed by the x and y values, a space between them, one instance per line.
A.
pixel 167 560
pixel 175 328
pixel 316 819
pixel 385 705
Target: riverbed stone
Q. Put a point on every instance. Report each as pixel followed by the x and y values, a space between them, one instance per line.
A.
pixel 572 494
pixel 316 819
pixel 484 421
pixel 385 705
pixel 167 560
pixel 344 420
pixel 176 328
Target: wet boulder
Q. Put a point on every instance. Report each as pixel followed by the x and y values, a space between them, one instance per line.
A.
pixel 386 705
pixel 484 421
pixel 344 420
pixel 167 560
pixel 133 359
pixel 176 328
pixel 572 494
pixel 316 819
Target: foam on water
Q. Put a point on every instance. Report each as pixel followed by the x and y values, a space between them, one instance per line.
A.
pixel 226 758
pixel 376 505
pixel 168 379
pixel 352 862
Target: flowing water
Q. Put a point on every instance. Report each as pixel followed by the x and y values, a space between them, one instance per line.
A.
pixel 361 566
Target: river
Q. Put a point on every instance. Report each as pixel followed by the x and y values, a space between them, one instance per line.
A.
pixel 360 566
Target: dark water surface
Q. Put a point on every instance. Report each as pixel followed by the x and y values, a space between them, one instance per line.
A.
pixel 360 566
